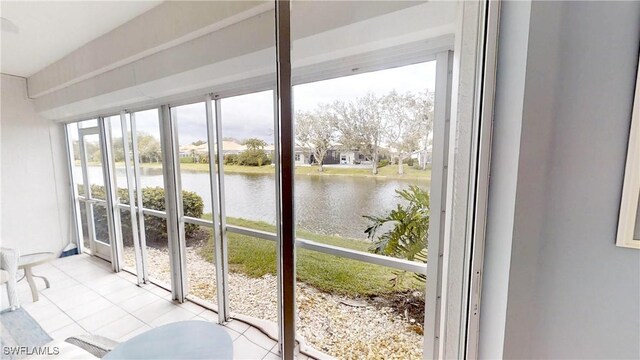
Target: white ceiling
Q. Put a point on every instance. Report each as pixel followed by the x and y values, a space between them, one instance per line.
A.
pixel 47 31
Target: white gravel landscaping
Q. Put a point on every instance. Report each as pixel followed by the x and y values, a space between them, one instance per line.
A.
pixel 360 330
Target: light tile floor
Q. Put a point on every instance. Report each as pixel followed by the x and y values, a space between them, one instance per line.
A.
pixel 87 297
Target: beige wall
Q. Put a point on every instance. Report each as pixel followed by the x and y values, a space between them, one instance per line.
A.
pixel 34 181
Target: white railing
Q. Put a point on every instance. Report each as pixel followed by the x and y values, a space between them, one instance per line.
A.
pixel 395 263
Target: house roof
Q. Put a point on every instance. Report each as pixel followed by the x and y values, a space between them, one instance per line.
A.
pixel 232 146
pixel 226 146
pixel 194 148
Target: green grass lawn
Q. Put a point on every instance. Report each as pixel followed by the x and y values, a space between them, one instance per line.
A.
pixel 386 172
pixel 256 257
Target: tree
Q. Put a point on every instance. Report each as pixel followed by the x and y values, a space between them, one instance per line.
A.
pixel 117 149
pixel 407 119
pixel 361 126
pixel 198 143
pixel 255 144
pixel 254 155
pixel 424 107
pixel 76 150
pixel 149 148
pixel 315 130
pixel 96 156
pixel 92 149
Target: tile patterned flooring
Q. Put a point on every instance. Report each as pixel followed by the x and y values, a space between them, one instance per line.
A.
pixel 87 297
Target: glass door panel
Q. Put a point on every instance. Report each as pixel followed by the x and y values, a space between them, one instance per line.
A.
pixel 94 191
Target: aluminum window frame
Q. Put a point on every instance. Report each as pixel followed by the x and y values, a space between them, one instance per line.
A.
pixel 75 200
pixel 111 196
pixel 390 262
pixel 173 204
pixel 455 331
pixel 87 198
pixel 137 173
pixel 131 181
pixel 216 180
pixel 180 272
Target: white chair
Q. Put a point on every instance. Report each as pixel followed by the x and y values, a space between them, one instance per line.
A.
pixel 8 269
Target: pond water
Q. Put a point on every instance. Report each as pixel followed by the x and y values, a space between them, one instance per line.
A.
pixel 332 205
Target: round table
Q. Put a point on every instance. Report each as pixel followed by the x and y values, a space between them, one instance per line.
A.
pixel 27 262
pixel 180 340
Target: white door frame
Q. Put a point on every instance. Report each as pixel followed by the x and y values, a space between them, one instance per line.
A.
pixel 97 248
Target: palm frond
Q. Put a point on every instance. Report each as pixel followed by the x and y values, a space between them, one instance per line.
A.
pixel 408 238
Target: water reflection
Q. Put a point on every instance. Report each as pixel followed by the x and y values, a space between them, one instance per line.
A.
pixel 332 205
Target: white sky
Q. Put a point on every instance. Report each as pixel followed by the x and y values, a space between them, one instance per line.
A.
pixel 251 115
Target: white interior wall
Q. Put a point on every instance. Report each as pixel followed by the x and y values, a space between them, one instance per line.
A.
pixel 555 285
pixel 34 181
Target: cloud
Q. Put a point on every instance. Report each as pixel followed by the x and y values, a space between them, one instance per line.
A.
pixel 252 115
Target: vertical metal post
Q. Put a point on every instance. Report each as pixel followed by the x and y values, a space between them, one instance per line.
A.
pixel 139 205
pixel 132 198
pixel 285 140
pixel 75 203
pixel 276 162
pixel 173 201
pixel 113 213
pixel 441 125
pixel 216 174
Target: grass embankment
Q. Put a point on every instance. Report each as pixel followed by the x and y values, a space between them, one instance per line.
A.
pixel 386 172
pixel 256 257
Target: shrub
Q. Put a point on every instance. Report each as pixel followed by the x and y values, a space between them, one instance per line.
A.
pixel 408 237
pixel 408 161
pixel 231 159
pixel 253 157
pixel 155 227
pixel 383 163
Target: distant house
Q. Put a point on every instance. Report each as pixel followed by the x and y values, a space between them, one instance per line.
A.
pixel 232 147
pixel 191 150
pixel 304 156
pixel 353 158
pixel 332 157
pixel 228 147
pixel 423 156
